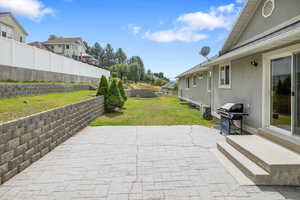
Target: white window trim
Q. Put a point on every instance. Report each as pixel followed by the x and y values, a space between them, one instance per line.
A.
pixel 211 81
pixel 187 86
pixel 228 86
pixel 194 77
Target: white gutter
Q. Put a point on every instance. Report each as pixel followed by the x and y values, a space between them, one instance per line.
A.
pixel 276 41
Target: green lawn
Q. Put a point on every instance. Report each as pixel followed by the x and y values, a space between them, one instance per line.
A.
pixel 164 110
pixel 14 108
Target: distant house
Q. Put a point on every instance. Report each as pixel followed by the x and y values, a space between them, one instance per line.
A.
pixel 11 28
pixel 169 88
pixel 39 45
pixel 70 47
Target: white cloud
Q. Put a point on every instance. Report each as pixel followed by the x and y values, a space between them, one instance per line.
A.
pixel 135 29
pixel 175 35
pixel 227 8
pixel 189 27
pixel 33 9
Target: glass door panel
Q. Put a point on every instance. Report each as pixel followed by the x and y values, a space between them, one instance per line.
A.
pixel 281 76
pixel 297 94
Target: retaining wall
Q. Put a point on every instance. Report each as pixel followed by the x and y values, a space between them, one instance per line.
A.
pixel 24 141
pixel 143 93
pixel 14 90
pixel 9 73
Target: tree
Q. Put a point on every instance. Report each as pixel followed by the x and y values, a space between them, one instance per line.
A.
pixel 103 87
pixel 120 69
pixel 114 99
pixel 141 68
pixel 122 91
pixel 109 56
pixel 120 56
pixel 133 72
pixel 88 48
pixel 52 37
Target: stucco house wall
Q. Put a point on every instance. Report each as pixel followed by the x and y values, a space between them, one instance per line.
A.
pixel 246 81
pixel 196 93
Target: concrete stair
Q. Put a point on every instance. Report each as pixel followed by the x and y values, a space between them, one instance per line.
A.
pixel 262 161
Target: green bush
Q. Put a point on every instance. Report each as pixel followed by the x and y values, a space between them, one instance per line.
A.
pixel 122 91
pixel 103 87
pixel 114 99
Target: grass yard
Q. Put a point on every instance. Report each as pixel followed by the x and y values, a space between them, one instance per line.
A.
pixel 164 110
pixel 14 108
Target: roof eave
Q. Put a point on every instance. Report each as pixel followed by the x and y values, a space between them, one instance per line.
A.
pixel 16 21
pixel 275 42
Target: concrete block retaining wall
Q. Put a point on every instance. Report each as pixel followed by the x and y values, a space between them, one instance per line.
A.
pixel 143 93
pixel 14 90
pixel 24 141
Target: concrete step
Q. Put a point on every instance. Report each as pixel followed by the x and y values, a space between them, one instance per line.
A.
pixel 282 163
pixel 288 141
pixel 258 175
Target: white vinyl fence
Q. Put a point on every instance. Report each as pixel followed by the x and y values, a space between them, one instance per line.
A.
pixel 16 54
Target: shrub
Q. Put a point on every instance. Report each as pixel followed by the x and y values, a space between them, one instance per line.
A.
pixel 122 91
pixel 103 87
pixel 114 99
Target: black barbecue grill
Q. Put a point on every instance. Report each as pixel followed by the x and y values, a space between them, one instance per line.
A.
pixel 231 113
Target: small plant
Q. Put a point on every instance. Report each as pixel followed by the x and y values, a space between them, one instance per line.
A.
pixel 103 87
pixel 114 99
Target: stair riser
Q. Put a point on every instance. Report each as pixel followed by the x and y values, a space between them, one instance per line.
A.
pixel 257 179
pixel 249 155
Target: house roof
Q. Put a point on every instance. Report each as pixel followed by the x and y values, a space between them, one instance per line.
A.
pixel 198 68
pixel 241 24
pixel 281 37
pixel 15 20
pixel 39 45
pixel 62 40
pixel 169 85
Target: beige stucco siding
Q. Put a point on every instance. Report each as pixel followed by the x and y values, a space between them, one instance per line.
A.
pixel 284 10
pixel 246 88
pixel 18 32
pixel 197 93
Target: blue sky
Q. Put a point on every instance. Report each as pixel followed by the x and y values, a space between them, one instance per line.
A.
pixel 167 34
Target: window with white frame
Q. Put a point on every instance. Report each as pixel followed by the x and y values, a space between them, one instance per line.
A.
pixel 188 82
pixel 209 81
pixel 194 81
pixel 224 76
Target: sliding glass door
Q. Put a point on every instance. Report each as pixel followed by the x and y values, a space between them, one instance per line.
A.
pixel 297 94
pixel 281 89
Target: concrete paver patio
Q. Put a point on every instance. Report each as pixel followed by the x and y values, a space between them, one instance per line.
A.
pixel 135 163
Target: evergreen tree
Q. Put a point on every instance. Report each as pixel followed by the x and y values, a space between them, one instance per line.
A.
pixel 120 56
pixel 122 91
pixel 109 56
pixel 114 99
pixel 103 87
